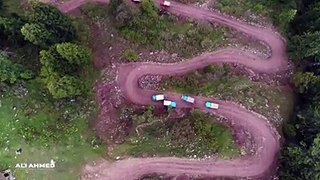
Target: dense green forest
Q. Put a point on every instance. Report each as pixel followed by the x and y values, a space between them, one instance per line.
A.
pixel 46 34
pixel 300 157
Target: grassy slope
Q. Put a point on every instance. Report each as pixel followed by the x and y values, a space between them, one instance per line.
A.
pixel 70 149
pixel 280 13
pixel 180 137
pixel 164 32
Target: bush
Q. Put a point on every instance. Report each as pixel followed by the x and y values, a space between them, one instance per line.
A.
pixel 210 68
pixel 38 34
pixel 67 86
pixel 10 72
pixel 130 55
pixel 73 53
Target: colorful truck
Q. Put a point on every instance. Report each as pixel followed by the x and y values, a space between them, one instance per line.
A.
pixel 169 103
pixel 211 105
pixel 157 97
pixel 187 99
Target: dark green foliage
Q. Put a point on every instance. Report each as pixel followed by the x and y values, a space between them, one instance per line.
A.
pixel 210 68
pixel 301 156
pixel 61 64
pixel 67 86
pixel 146 18
pixel 308 123
pixel 305 46
pixel 10 72
pixel 307 19
pixel 73 53
pixel 38 35
pixel 302 162
pixel 10 29
pixel 204 129
pixel 53 61
pixel 306 80
pixel 130 55
pixel 54 21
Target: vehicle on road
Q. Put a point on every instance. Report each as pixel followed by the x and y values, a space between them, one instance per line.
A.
pixel 165 3
pixel 187 99
pixel 169 103
pixel 211 105
pixel 157 97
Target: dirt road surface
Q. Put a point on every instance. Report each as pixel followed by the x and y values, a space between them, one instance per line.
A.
pixel 266 139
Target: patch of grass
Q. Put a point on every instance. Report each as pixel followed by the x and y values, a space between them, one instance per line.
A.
pixel 219 82
pixel 12 6
pixel 95 11
pixel 130 55
pixel 281 12
pixel 45 129
pixel 80 23
pixel 196 135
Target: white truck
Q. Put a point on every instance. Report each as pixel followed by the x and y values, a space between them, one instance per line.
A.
pixel 187 99
pixel 169 103
pixel 136 1
pixel 211 105
pixel 157 97
pixel 165 3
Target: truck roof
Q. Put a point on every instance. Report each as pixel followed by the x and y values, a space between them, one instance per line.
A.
pixel 166 3
pixel 166 102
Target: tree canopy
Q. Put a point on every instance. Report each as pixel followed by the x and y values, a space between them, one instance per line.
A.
pixel 60 67
pixel 54 21
pixel 73 53
pixel 38 34
pixel 300 156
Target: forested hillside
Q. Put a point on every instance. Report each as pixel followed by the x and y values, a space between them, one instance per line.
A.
pixel 45 100
pixel 300 158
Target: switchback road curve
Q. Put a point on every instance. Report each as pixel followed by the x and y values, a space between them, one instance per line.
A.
pixel 265 138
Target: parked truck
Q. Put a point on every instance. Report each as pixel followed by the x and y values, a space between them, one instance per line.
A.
pixel 157 97
pixel 165 3
pixel 187 99
pixel 169 103
pixel 211 105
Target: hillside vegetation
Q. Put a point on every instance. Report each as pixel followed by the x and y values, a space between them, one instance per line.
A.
pixel 45 88
pixel 300 156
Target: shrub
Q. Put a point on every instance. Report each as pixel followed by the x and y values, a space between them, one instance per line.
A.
pixel 130 55
pixel 10 72
pixel 210 68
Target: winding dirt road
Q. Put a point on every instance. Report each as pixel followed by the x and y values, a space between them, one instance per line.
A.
pixel 265 138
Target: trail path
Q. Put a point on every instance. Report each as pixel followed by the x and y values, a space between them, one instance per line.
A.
pixel 265 138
